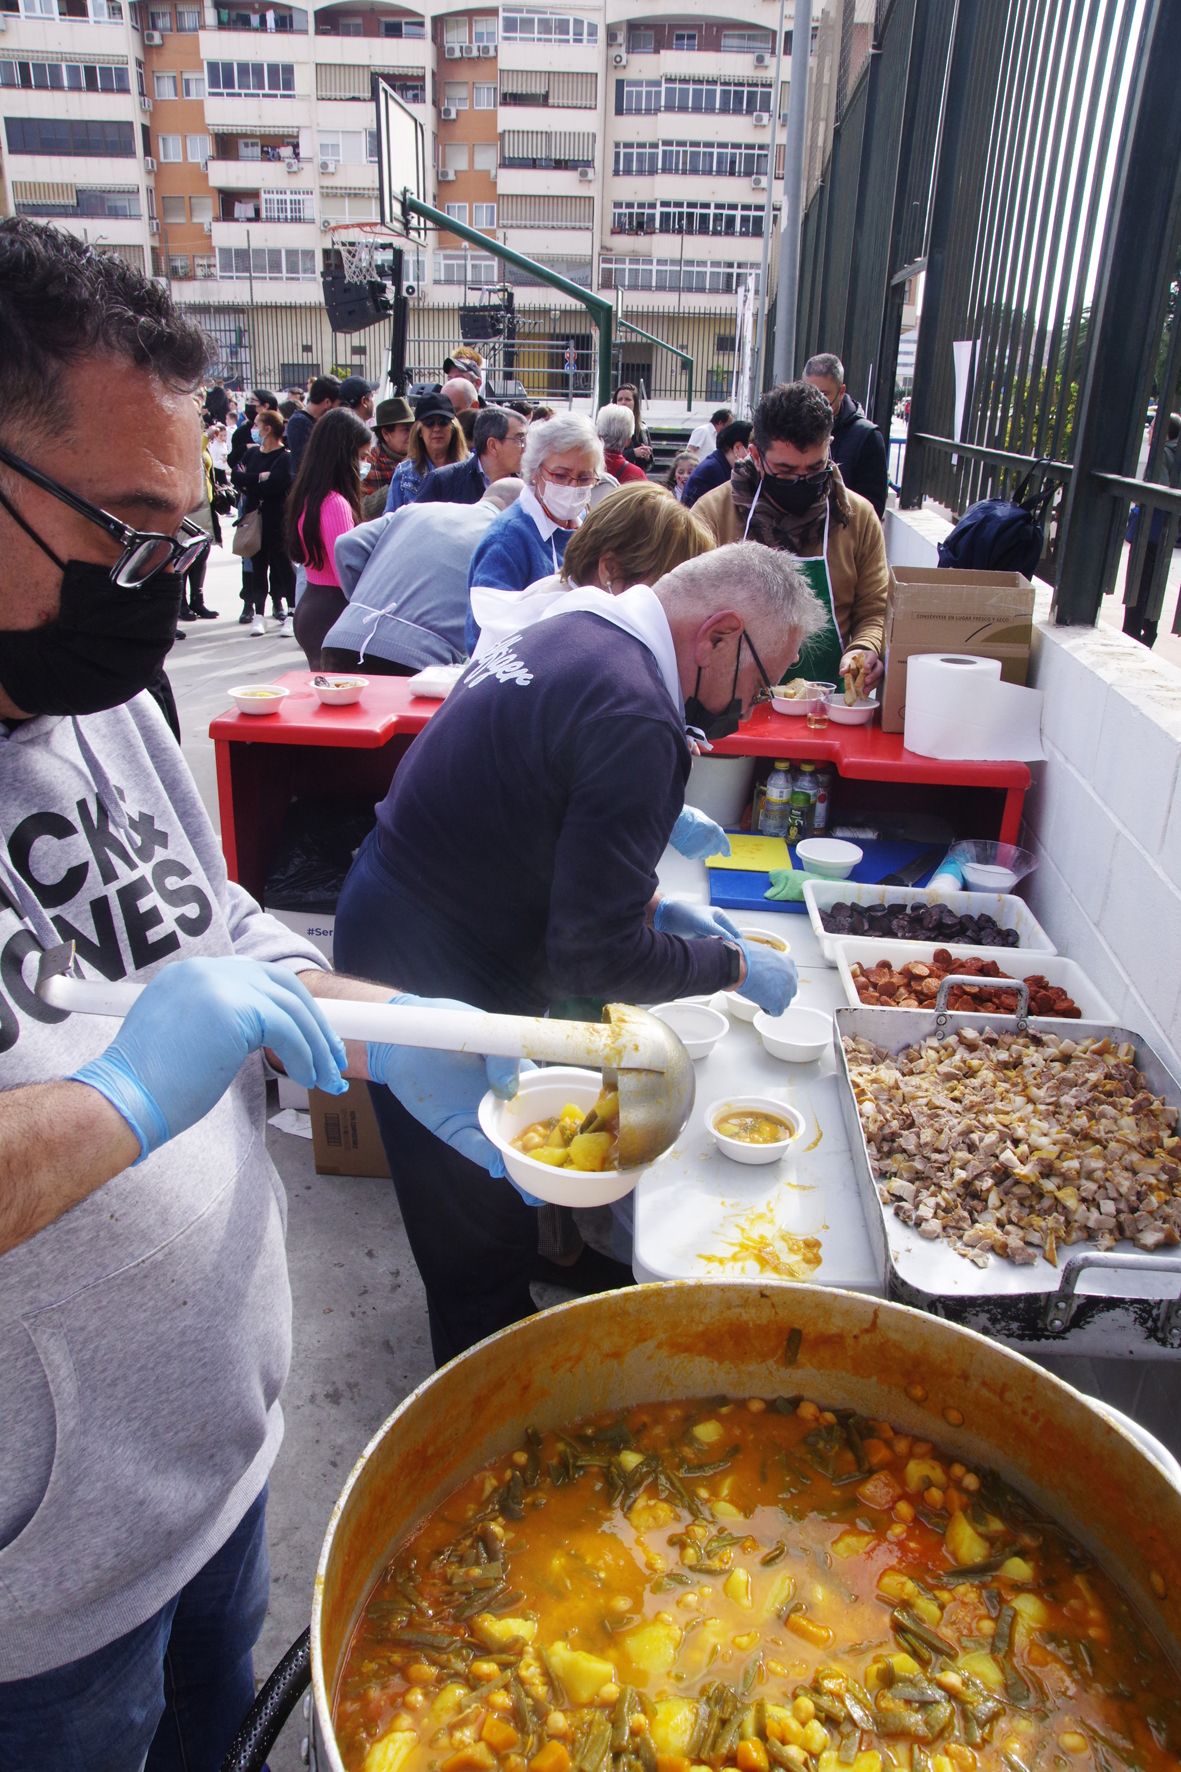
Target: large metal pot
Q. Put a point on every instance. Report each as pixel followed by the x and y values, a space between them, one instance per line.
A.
pixel 702 1338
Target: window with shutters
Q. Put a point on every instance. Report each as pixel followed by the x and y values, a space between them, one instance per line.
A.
pixel 546 150
pixel 550 89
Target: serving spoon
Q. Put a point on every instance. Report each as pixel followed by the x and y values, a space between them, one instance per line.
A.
pixel 639 1056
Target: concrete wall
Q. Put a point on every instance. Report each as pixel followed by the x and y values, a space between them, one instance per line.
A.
pixel 1104 812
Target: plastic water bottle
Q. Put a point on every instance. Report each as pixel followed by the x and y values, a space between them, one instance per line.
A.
pixel 773 819
pixel 804 790
pixel 824 777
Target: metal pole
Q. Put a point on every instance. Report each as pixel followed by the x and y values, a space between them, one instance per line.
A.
pixel 249 269
pixel 787 295
pixel 756 356
pixel 600 310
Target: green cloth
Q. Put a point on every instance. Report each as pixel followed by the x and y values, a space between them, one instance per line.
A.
pixel 787 885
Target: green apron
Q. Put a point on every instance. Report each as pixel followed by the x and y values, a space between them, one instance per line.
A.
pixel 820 657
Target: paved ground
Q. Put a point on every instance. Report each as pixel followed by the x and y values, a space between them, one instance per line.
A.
pixel 360 1328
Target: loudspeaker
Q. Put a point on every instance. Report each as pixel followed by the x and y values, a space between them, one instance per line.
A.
pixel 353 306
pixel 479 325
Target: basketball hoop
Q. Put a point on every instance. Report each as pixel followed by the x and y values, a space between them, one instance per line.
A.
pixel 358 244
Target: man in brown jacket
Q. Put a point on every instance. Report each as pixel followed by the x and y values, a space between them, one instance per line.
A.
pixel 789 494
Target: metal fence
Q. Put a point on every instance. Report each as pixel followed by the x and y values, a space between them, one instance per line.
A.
pixel 1025 156
pixel 535 352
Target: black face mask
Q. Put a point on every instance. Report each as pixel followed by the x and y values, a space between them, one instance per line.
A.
pixel 723 723
pixel 794 497
pixel 104 645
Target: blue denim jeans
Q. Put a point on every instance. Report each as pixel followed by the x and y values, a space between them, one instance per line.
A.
pixel 169 1696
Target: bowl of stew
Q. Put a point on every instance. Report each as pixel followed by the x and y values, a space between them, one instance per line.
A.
pixel 753 1128
pixel 258 698
pixel 539 1137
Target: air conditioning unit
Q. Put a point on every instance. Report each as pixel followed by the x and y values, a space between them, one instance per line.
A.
pixel 447 114
pixel 149 163
pixel 586 174
pixel 153 225
pixel 492 173
pixel 145 104
pixel 614 37
pixel 452 52
pixel 154 39
pixel 326 227
pixel 468 51
pixel 329 165
pixel 487 51
pixel 619 59
pixel 758 182
pixel 446 176
pixel 762 119
pixel 208 226
pixel 762 59
pixel 293 166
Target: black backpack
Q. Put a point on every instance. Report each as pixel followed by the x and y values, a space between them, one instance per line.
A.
pixel 1001 534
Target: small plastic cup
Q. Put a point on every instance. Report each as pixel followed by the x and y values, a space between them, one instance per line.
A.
pixel 818 694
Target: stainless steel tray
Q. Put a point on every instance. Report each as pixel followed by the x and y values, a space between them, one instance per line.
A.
pixel 1121 1302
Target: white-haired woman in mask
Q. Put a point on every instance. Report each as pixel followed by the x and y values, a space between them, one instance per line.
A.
pixel 562 463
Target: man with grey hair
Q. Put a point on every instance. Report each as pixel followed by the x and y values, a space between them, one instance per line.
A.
pixel 498 438
pixel 460 392
pixel 858 447
pixel 559 760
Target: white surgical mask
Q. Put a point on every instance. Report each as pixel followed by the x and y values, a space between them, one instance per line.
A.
pixel 566 504
pixel 363 468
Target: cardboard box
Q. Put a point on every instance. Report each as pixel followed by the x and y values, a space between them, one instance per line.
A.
pixel 982 614
pixel 317 927
pixel 345 1139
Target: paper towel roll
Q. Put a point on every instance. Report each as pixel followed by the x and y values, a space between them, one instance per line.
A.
pixel 957 707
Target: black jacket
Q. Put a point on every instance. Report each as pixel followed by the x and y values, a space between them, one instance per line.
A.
pixel 270 495
pixel 299 429
pixel 459 483
pixel 859 450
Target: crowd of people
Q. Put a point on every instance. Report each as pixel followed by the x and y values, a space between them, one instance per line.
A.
pixel 615 629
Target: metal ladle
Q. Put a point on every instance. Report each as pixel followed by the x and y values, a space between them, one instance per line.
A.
pixel 638 1055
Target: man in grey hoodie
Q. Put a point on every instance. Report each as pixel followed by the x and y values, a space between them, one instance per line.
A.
pixel 144 1302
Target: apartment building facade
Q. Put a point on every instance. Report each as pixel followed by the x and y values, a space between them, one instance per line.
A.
pixel 222 144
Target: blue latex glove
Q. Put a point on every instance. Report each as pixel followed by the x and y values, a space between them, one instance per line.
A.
pixel 444 1089
pixel 187 1035
pixel 697 836
pixel 771 979
pixel 695 921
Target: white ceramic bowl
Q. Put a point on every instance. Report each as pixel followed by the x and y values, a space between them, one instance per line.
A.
pixel 830 857
pixel 339 692
pixel 696 1025
pixel 793 704
pixel 735 1148
pixel 770 938
pixel 543 1093
pixel 258 698
pixel 860 713
pixel 799 1035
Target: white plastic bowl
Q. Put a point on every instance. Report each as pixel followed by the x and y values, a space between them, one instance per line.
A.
pixel 830 857
pixel 790 705
pixel 543 1093
pixel 340 692
pixel 696 1025
pixel 842 713
pixel 735 1148
pixel 770 938
pixel 258 698
pixel 741 1008
pixel 799 1035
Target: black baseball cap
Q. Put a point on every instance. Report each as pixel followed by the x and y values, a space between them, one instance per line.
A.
pixel 354 388
pixel 433 406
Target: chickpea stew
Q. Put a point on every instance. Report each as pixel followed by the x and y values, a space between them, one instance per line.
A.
pixel 756 1585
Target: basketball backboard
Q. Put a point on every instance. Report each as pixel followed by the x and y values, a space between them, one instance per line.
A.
pixel 401 159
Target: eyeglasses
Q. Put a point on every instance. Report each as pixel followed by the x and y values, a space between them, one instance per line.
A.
pixel 562 477
pixel 145 551
pixel 760 667
pixel 814 477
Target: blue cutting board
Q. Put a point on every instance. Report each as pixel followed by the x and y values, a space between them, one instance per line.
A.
pixel 744 892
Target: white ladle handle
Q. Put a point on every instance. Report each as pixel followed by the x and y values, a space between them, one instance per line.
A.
pixel 389 1024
